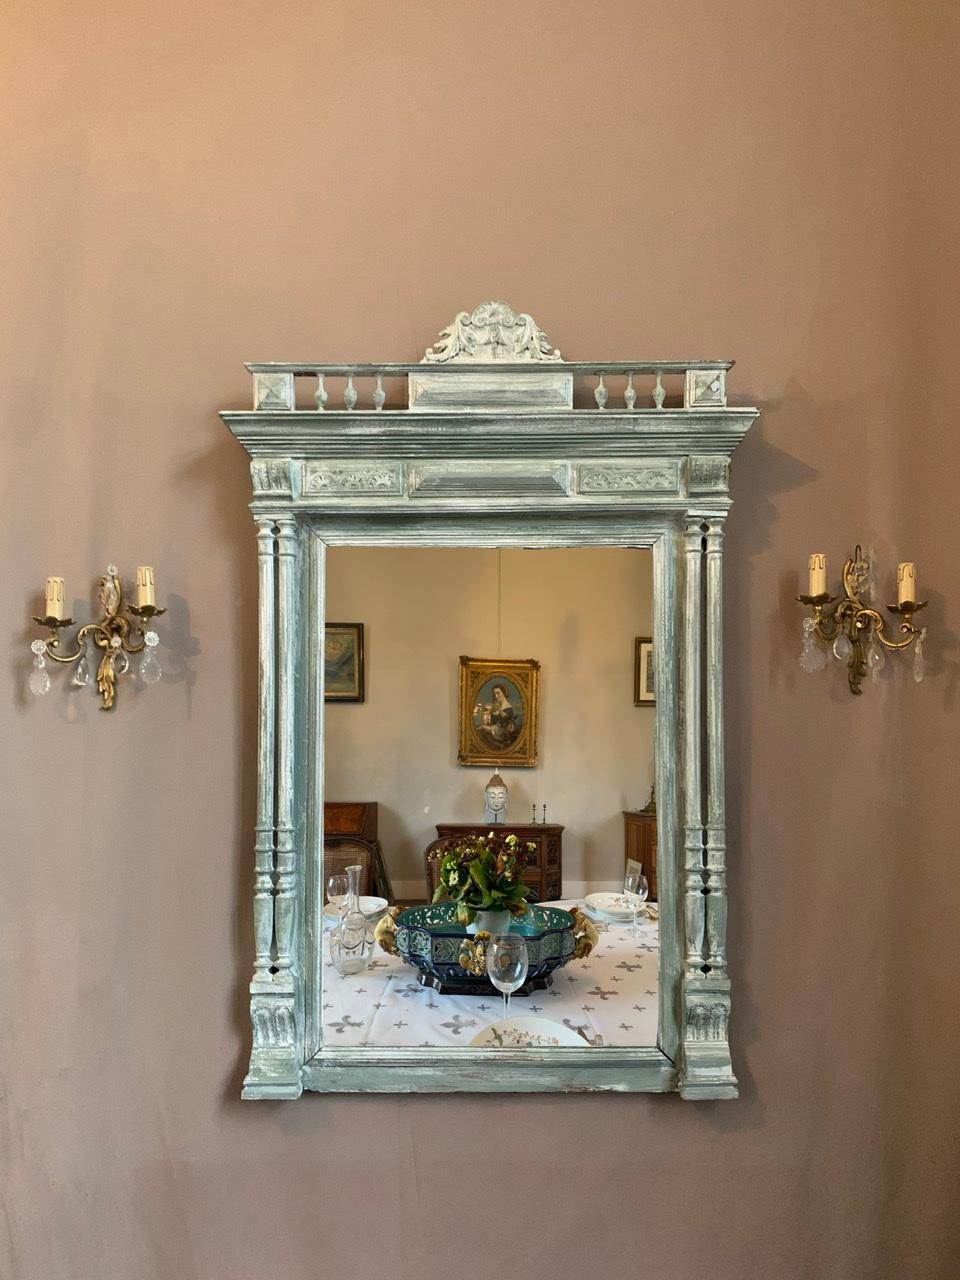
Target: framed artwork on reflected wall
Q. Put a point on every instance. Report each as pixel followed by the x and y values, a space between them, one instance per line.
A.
pixel 644 691
pixel 343 662
pixel 499 705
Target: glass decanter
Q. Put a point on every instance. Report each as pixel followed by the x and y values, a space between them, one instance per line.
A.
pixel 351 940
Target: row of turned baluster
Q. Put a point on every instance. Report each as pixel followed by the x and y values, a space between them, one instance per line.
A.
pixel 601 393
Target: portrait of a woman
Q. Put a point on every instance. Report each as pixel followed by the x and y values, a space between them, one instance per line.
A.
pixel 500 719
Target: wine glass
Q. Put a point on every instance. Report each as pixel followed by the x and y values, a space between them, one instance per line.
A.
pixel 507 964
pixel 337 888
pixel 635 887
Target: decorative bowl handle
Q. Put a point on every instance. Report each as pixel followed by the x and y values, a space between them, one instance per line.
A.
pixel 585 936
pixel 473 954
pixel 386 931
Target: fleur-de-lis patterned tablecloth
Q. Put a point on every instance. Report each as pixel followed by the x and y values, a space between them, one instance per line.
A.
pixel 613 994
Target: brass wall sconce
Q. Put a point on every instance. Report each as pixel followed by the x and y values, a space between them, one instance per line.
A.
pixel 853 629
pixel 117 636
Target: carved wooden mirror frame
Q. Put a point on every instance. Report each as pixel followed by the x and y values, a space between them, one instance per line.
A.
pixel 490 451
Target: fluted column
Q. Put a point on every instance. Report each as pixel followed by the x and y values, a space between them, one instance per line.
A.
pixel 265 845
pixel 287 557
pixel 693 866
pixel 716 815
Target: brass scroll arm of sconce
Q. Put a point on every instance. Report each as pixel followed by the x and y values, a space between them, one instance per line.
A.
pixel 853 629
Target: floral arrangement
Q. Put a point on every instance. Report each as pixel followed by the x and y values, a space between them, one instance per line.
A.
pixel 483 873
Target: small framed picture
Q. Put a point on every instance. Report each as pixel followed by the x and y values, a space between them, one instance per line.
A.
pixel 644 690
pixel 499 704
pixel 343 662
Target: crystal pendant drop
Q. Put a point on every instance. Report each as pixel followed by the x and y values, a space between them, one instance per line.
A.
pixel 150 669
pixel 121 663
pixel 82 673
pixel 39 677
pixel 918 663
pixel 812 657
pixel 842 648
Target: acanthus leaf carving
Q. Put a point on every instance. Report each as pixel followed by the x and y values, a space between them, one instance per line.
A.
pixel 273 1022
pixel 707 1021
pixel 492 332
pixel 270 475
pixel 708 473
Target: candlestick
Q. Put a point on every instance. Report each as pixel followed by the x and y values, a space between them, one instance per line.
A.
pixel 906 583
pixel 146 588
pixel 54 605
pixel 544 813
pixel 817 565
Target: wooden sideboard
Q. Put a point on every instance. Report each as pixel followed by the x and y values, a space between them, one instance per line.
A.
pixel 640 843
pixel 544 873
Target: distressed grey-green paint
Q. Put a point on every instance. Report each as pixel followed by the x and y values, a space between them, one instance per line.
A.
pixel 656 478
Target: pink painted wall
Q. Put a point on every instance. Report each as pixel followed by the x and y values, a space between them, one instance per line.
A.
pixel 189 186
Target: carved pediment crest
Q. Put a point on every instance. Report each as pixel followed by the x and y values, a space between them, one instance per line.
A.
pixel 493 332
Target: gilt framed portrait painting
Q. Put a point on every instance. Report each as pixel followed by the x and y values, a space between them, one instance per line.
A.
pixel 499 704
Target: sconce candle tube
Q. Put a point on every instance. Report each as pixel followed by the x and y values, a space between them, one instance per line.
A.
pixel 818 575
pixel 146 587
pixel 906 583
pixel 54 604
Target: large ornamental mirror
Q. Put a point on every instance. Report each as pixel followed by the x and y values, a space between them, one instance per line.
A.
pixel 490 845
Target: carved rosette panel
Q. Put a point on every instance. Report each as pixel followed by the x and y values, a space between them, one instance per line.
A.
pixel 273 391
pixel 493 332
pixel 659 477
pixel 349 479
pixel 708 474
pixel 705 389
pixel 271 476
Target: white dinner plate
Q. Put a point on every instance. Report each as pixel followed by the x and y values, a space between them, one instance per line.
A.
pixel 527 1033
pixel 372 908
pixel 611 906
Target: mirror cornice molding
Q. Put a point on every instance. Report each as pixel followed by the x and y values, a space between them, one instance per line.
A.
pixel 655 478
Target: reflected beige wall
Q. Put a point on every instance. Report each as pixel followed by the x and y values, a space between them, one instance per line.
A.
pixel 576 611
pixel 192 186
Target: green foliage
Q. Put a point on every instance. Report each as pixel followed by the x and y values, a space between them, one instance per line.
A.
pixel 483 873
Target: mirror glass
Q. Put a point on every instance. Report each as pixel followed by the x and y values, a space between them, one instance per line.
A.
pixel 498 693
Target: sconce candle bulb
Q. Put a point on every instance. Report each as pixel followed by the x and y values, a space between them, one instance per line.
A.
pixel 853 629
pixel 818 575
pixel 114 634
pixel 146 589
pixel 54 598
pixel 906 583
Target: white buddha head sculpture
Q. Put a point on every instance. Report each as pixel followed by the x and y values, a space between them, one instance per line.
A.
pixel 495 800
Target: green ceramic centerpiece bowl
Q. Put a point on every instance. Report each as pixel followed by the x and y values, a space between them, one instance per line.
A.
pixel 430 939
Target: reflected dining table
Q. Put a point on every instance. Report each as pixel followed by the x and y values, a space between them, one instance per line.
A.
pixel 610 997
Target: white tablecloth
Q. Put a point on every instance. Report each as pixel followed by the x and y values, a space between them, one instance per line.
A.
pixel 612 993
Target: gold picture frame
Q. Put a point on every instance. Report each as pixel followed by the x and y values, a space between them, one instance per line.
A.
pixel 499 710
pixel 644 689
pixel 343 671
